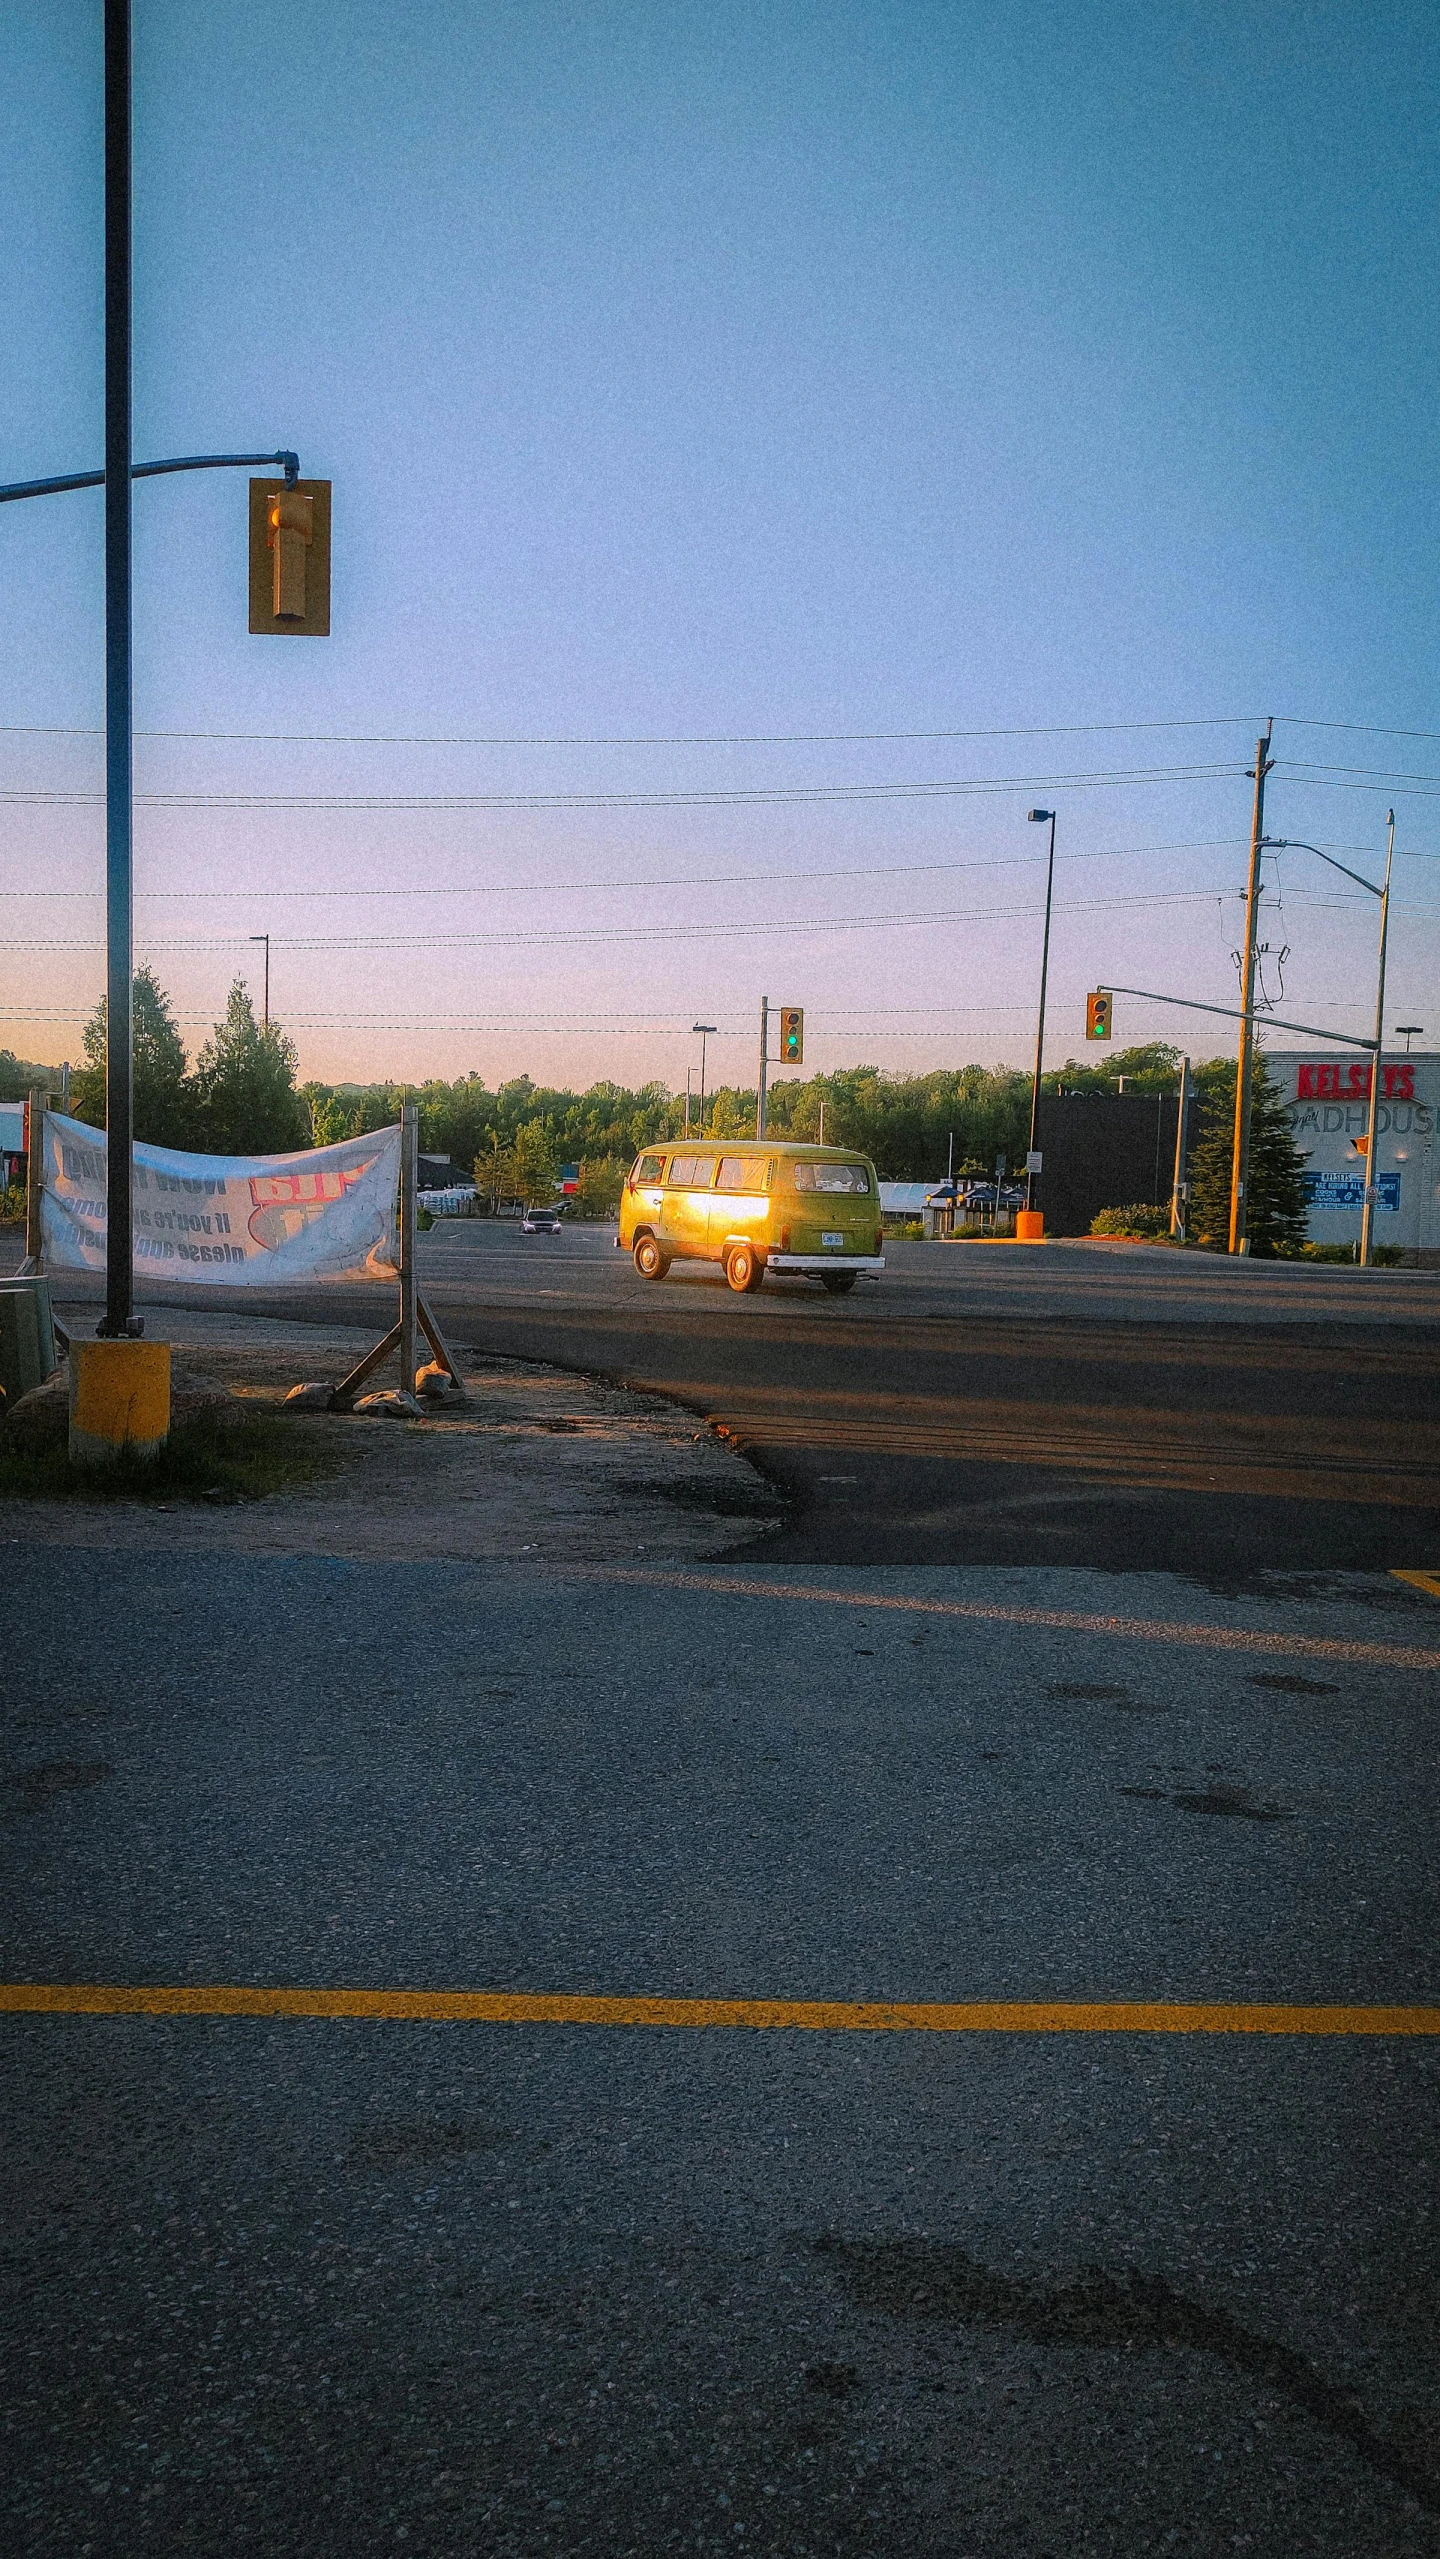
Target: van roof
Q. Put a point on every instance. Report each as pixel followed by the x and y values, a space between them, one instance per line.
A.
pixel 772 1146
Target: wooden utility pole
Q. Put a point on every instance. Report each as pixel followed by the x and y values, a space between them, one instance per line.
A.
pixel 1240 1160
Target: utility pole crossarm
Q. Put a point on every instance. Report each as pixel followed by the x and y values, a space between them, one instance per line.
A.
pixel 289 462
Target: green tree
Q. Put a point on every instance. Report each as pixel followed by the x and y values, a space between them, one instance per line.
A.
pixel 1274 1200
pixel 533 1161
pixel 17 1074
pixel 164 1097
pixel 245 1085
pixel 602 1178
pixel 329 1119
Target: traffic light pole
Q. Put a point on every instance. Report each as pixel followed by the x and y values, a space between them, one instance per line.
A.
pixel 764 1062
pixel 1367 1214
pixel 1040 1032
pixel 119 1318
pixel 289 462
pixel 1240 1157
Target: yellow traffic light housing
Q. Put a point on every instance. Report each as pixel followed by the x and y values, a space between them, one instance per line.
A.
pixel 290 557
pixel 1097 1014
pixel 792 1035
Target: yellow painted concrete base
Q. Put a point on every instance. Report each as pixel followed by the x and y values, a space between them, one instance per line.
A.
pixel 119 1399
pixel 1029 1226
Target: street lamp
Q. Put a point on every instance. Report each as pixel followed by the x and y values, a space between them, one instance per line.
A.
pixel 1408 1031
pixel 705 1030
pixel 1292 844
pixel 265 938
pixel 1040 817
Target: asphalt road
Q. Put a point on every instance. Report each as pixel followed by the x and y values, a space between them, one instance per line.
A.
pixel 330 2286
pixel 999 1405
pixel 325 2288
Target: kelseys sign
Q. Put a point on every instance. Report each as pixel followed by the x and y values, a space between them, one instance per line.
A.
pixel 1331 1079
pixel 225 1220
pixel 1328 1108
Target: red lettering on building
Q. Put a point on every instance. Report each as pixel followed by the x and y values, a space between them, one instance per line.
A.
pixel 1328 1081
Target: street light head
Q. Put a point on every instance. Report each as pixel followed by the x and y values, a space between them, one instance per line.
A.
pixel 702 1026
pixel 1039 817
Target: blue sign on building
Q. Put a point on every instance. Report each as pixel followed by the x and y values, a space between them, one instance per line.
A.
pixel 1347 1190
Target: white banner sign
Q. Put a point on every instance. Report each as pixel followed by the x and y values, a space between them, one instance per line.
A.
pixel 227 1221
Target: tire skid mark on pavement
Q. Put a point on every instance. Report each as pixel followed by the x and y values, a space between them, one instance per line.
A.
pixel 1145 1630
pixel 824 2016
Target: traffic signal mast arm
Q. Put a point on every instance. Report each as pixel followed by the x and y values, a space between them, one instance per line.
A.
pixel 289 463
pixel 1227 1012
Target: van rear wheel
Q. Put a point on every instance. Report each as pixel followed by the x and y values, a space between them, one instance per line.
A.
pixel 839 1283
pixel 743 1267
pixel 650 1261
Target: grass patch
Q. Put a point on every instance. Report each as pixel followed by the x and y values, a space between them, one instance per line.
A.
pixel 230 1461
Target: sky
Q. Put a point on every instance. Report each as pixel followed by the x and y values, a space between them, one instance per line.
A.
pixel 774 447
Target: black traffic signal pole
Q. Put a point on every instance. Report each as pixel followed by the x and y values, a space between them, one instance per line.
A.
pixel 119 1318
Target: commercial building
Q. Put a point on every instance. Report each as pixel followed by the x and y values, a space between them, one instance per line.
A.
pixel 1328 1099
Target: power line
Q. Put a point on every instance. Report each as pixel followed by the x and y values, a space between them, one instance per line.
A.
pixel 685 880
pixel 626 933
pixel 797 737
pixel 787 794
pixel 789 737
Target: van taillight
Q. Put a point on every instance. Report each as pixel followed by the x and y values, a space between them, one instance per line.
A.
pixel 784 1239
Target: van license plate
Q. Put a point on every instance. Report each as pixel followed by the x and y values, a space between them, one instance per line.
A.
pixel 832 1239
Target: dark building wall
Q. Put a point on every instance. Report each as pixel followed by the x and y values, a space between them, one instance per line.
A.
pixel 1102 1150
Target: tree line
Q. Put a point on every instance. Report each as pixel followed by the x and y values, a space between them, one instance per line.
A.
pixel 242 1097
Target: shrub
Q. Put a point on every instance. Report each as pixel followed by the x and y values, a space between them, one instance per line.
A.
pixel 1141 1218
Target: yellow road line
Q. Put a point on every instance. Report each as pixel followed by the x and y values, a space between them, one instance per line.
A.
pixel 862 2016
pixel 1422 1581
pixel 1145 1630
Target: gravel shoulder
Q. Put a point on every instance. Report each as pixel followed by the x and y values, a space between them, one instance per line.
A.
pixel 531 1461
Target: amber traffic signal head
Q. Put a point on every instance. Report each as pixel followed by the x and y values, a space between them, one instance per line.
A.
pixel 792 1035
pixel 290 557
pixel 1097 1014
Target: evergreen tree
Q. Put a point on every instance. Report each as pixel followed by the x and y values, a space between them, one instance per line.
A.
pixel 245 1086
pixel 1275 1217
pixel 164 1101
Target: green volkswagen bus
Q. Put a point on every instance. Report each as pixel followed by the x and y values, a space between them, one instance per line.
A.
pixel 753 1205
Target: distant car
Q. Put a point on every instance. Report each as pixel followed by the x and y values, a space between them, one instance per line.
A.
pixel 540 1221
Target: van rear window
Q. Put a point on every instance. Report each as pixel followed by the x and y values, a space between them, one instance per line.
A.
pixel 742 1173
pixel 831 1177
pixel 690 1172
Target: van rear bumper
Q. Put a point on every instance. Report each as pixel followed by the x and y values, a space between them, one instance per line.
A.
pixel 810 1265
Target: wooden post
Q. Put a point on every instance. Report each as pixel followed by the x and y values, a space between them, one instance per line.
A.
pixel 409 1145
pixel 34 1175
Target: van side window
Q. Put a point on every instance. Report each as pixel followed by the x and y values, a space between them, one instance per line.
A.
pixel 690 1172
pixel 647 1172
pixel 831 1177
pixel 743 1173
